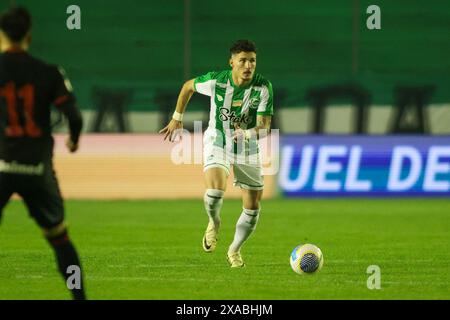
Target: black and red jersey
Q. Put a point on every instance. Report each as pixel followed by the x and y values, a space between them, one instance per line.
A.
pixel 29 88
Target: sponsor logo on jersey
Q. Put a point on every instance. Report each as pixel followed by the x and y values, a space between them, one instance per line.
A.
pixel 19 168
pixel 254 103
pixel 227 115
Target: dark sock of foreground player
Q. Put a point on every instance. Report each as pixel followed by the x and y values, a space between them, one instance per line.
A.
pixel 66 256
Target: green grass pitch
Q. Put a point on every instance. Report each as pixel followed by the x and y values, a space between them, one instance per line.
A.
pixel 152 250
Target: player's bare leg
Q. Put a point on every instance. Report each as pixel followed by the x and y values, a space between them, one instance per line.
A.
pixel 245 225
pixel 216 182
pixel 66 255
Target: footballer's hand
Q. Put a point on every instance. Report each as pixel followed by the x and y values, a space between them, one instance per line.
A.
pixel 70 145
pixel 172 130
pixel 238 134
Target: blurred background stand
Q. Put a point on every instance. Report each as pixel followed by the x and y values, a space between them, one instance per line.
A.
pixel 197 109
pixel 280 98
pixel 409 116
pixel 111 109
pixel 320 98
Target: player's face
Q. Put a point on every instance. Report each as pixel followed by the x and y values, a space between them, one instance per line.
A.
pixel 243 65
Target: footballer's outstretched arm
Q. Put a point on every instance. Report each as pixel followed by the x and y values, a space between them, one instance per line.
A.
pixel 177 119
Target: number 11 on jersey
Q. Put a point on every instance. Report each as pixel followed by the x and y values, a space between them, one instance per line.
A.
pixel 26 93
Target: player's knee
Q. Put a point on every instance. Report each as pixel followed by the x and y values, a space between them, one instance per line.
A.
pixel 57 235
pixel 217 185
pixel 251 199
pixel 251 203
pixel 56 230
pixel 216 178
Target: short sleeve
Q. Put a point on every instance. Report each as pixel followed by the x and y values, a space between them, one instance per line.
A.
pixel 265 107
pixel 204 84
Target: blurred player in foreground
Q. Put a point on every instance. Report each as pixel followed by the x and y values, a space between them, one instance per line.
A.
pixel 241 110
pixel 28 88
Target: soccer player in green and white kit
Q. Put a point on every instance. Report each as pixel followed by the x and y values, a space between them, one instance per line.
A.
pixel 241 111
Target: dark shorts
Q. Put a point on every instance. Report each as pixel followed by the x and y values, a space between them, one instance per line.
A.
pixel 40 193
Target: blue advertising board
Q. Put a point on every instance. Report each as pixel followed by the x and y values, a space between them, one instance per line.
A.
pixel 364 166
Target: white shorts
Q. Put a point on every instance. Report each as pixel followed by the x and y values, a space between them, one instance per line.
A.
pixel 247 171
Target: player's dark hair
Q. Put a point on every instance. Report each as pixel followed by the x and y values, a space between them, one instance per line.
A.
pixel 15 22
pixel 243 46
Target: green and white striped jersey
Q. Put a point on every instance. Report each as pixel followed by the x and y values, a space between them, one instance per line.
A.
pixel 231 104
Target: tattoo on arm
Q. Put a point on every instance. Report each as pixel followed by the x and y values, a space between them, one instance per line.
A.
pixel 260 122
pixel 263 122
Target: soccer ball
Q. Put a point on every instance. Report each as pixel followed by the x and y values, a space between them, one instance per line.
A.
pixel 306 258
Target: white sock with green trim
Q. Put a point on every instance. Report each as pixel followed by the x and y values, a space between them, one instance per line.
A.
pixel 245 225
pixel 213 200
